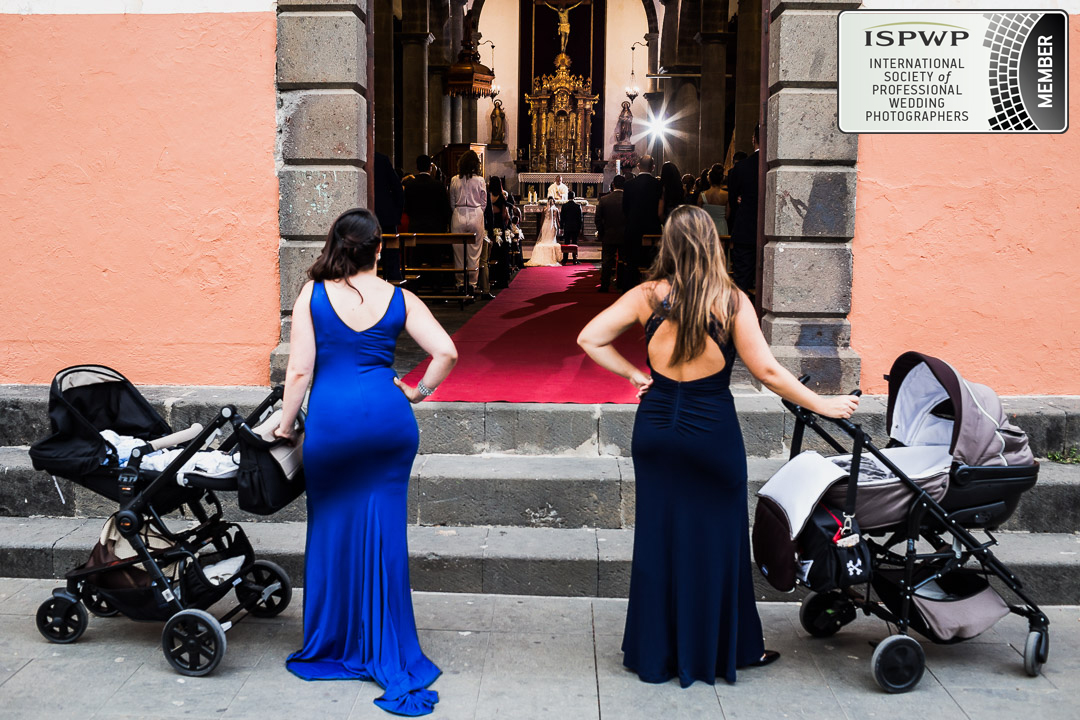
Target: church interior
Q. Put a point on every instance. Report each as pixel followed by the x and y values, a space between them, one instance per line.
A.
pixel 544 91
pixel 581 88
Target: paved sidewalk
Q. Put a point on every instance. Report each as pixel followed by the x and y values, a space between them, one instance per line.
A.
pixel 511 657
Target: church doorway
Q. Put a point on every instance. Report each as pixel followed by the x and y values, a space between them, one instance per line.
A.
pixel 586 89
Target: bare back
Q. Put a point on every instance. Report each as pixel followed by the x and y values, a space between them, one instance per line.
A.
pixel 360 314
pixel 662 345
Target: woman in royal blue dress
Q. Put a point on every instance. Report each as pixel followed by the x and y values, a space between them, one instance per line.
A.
pixel 359 444
pixel 691 612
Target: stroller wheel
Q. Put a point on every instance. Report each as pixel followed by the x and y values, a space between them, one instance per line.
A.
pixel 62 621
pixel 823 614
pixel 898 663
pixel 193 642
pixel 256 582
pixel 1036 651
pixel 97 604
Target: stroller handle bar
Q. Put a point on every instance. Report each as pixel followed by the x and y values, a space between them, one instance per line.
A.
pixel 807 415
pixel 177 438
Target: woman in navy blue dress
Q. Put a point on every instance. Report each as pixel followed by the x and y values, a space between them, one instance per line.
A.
pixel 691 612
pixel 359 444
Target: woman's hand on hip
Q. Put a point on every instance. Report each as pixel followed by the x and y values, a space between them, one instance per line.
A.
pixel 641 382
pixel 838 406
pixel 410 392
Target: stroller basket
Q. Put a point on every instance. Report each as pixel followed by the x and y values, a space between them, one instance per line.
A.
pixel 953 608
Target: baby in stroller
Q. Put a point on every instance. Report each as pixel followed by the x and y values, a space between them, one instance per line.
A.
pixel 953 464
pixel 142 566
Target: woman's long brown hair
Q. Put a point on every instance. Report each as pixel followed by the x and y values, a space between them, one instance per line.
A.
pixel 692 262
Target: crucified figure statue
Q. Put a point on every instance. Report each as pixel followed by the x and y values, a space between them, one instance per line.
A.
pixel 564 24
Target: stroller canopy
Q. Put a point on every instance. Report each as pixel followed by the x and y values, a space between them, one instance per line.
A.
pixel 931 404
pixel 83 401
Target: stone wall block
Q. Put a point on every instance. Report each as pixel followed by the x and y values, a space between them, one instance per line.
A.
pixel 836 5
pixel 294 259
pixel 806 332
pixel 831 371
pixel 312 198
pixel 803 127
pixel 325 49
pixel 810 202
pixel 356 6
pixel 807 278
pixel 802 48
pixel 325 126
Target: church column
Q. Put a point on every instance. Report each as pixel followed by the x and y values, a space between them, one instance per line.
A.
pixel 457 20
pixel 713 41
pixel 439 58
pixel 469 108
pixel 415 37
pixel 652 40
pixel 384 97
pixel 748 75
pixel 809 200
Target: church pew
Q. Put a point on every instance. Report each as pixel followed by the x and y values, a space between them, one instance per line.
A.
pixel 409 242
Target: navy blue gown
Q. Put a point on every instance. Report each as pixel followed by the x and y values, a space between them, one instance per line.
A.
pixel 359 444
pixel 691 612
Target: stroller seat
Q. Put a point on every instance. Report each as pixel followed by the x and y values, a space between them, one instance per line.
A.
pixel 884 498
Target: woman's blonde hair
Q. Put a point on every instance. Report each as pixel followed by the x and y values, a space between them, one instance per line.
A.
pixel 692 262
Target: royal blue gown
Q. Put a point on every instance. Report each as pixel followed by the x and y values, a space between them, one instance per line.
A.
pixel 359 444
pixel 691 612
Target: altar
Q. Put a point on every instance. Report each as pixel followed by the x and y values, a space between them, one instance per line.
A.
pixel 585 185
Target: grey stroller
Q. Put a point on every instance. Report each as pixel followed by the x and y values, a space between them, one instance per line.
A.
pixel 953 465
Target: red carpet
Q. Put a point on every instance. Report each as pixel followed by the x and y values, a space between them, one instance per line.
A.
pixel 522 346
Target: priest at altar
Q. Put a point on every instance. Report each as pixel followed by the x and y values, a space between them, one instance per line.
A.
pixel 558 190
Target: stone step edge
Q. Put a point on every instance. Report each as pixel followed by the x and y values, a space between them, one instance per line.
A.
pixel 1052 422
pixel 509 490
pixel 511 561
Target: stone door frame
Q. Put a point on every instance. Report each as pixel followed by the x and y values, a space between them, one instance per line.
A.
pixel 326 135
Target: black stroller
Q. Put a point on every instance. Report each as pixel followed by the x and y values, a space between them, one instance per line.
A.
pixel 953 464
pixel 141 567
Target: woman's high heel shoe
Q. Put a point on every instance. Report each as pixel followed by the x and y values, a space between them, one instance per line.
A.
pixel 767 658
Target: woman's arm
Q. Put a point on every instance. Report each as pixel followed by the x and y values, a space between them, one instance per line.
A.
pixel 597 337
pixel 759 360
pixel 432 338
pixel 301 363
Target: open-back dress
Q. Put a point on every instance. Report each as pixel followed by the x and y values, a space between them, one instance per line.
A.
pixel 691 612
pixel 360 441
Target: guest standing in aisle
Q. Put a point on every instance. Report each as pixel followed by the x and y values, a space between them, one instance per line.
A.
pixel 743 201
pixel 691 612
pixel 610 229
pixel 641 204
pixel 360 441
pixel 468 196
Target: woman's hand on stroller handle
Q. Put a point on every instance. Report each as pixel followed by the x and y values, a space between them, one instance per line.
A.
pixel 837 407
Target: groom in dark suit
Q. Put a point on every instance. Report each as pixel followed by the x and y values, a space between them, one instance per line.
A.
pixel 571 220
pixel 641 205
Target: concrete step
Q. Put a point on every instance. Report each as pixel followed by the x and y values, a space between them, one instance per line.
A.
pixel 516 561
pixel 1052 423
pixel 511 490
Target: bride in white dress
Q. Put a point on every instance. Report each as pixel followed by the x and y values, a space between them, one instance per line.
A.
pixel 546 251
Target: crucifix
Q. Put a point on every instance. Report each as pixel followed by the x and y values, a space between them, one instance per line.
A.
pixel 564 23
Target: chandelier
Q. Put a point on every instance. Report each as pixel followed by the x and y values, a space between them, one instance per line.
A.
pixel 468 77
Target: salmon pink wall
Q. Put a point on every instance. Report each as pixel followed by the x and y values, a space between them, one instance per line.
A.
pixel 138 196
pixel 967 247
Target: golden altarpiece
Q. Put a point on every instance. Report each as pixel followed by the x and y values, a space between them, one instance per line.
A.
pixel 560 115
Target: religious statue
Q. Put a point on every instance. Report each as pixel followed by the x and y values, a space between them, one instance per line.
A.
pixel 498 126
pixel 624 128
pixel 564 24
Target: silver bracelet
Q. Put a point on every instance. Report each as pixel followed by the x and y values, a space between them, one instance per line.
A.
pixel 424 389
